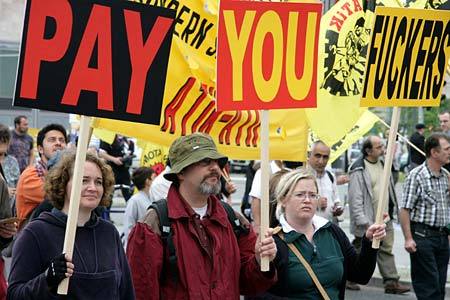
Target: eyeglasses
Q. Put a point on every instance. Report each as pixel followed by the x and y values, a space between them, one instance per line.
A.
pixel 302 195
pixel 207 161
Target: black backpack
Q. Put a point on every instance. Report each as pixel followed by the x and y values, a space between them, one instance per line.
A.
pixel 165 227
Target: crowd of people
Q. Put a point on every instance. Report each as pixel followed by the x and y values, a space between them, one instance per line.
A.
pixel 181 238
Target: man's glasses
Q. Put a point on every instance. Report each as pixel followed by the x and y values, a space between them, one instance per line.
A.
pixel 207 161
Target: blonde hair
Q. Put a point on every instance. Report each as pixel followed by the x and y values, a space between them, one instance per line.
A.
pixel 287 184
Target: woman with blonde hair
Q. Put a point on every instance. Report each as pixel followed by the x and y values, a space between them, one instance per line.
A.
pixel 315 257
pixel 98 269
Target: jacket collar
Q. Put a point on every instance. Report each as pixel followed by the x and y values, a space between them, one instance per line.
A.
pixel 179 208
pixel 292 235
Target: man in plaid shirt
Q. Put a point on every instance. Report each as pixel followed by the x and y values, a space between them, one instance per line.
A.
pixel 424 216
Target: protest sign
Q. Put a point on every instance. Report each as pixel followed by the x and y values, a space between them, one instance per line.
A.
pixel 407 58
pixel 95 58
pixel 267 55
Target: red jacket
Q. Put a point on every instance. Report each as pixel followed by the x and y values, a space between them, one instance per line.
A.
pixel 232 270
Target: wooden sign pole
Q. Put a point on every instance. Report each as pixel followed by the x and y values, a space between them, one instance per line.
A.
pixel 384 192
pixel 72 216
pixel 265 174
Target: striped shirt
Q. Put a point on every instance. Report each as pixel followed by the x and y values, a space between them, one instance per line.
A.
pixel 427 197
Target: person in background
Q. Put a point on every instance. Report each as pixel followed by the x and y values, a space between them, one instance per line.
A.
pixel 9 163
pixel 160 186
pixel 329 204
pixel 363 196
pixel 138 204
pixel 246 207
pixel 324 246
pixel 98 269
pixel 424 216
pixel 444 122
pixel 255 193
pixel 30 188
pixel 120 162
pixel 21 146
pixel 418 140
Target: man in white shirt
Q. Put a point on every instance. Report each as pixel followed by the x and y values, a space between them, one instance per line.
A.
pixel 160 186
pixel 255 193
pixel 329 204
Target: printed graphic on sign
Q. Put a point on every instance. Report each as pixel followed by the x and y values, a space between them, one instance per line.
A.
pixel 267 55
pixel 105 58
pixel 407 58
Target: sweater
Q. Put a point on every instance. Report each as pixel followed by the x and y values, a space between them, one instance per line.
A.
pixel 101 269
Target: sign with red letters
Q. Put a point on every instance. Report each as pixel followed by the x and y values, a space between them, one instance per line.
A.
pixel 104 58
pixel 267 55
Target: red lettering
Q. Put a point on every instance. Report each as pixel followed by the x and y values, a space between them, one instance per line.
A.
pixel 174 105
pixel 142 55
pixel 227 129
pixel 191 111
pixel 357 6
pixel 346 6
pixel 252 132
pixel 38 48
pixel 212 118
pixel 239 133
pixel 336 22
pixel 82 77
pixel 206 113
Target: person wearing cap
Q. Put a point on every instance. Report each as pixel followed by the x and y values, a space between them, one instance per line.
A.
pixel 211 261
pixel 418 140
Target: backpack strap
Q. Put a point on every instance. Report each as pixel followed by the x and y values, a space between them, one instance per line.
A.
pixel 165 228
pixel 330 175
pixel 238 228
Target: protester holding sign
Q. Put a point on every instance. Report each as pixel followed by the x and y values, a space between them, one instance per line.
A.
pixel 99 269
pixel 187 247
pixel 324 246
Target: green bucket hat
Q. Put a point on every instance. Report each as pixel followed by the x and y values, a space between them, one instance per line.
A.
pixel 190 149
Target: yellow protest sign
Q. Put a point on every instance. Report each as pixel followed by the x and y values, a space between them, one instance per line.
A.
pixel 407 58
pixel 153 156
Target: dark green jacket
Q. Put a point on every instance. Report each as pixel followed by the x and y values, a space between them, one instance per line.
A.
pixel 356 268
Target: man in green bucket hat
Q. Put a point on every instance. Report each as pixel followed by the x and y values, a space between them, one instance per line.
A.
pixel 187 247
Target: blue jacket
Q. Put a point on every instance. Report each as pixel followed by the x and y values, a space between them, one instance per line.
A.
pixel 101 268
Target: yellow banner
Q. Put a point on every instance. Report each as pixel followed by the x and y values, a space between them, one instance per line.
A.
pixel 364 124
pixel 406 64
pixel 189 104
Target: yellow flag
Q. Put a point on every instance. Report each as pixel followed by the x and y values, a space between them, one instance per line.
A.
pixel 343 42
pixel 364 124
pixel 189 104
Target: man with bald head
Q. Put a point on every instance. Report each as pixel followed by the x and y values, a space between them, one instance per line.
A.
pixel 364 190
pixel 329 203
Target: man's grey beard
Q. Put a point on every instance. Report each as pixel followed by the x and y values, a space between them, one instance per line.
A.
pixel 210 189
